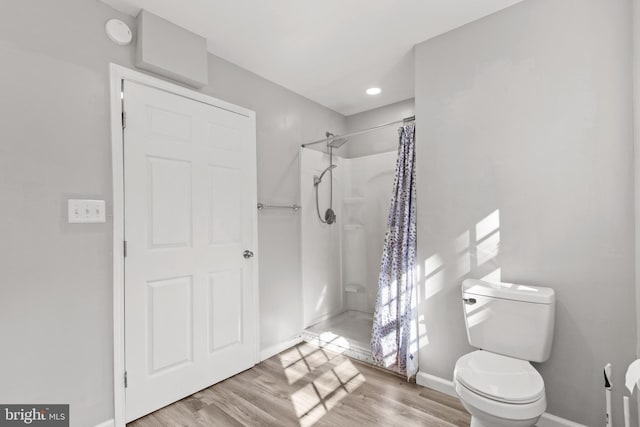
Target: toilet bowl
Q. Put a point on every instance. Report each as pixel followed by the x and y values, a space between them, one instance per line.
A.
pixel 499 391
pixel 512 325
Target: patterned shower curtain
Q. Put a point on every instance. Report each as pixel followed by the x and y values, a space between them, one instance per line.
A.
pixel 394 339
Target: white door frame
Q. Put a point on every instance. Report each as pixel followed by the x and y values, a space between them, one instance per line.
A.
pixel 117 74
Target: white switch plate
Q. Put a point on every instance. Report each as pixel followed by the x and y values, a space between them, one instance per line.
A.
pixel 86 211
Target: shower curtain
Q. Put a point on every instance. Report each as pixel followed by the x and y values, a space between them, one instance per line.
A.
pixel 394 338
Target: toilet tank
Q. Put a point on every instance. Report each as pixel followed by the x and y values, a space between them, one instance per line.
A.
pixel 509 319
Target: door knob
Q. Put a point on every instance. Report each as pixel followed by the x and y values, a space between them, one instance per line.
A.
pixel 247 254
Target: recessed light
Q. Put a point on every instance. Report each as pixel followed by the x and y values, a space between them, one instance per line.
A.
pixel 373 91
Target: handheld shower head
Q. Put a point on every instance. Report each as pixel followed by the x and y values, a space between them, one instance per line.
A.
pixel 318 179
pixel 329 216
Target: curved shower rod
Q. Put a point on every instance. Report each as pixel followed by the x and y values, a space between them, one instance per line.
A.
pixel 360 132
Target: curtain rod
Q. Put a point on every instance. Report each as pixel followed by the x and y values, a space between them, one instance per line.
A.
pixel 360 132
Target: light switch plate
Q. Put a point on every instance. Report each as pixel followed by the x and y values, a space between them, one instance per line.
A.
pixel 86 211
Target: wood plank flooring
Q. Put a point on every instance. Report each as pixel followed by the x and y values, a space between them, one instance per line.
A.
pixel 310 386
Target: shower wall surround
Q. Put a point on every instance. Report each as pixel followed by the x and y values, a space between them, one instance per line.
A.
pixel 366 171
pixel 366 204
pixel 321 285
pixel 341 262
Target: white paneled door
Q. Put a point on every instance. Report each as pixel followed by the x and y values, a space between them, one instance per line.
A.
pixel 190 298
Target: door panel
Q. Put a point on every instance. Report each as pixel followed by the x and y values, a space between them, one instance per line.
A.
pixel 170 333
pixel 225 309
pixel 190 195
pixel 170 202
pixel 222 137
pixel 225 219
pixel 170 124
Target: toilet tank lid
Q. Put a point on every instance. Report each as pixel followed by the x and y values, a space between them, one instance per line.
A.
pixel 510 291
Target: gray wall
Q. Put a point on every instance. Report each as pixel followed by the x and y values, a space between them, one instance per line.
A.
pixel 528 112
pixel 379 141
pixel 56 290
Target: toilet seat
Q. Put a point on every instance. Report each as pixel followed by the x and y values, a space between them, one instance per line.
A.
pixel 499 378
pixel 505 411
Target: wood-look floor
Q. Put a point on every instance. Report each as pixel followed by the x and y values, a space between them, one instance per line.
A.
pixel 306 385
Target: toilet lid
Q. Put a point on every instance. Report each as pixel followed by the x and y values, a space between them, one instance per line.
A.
pixel 500 378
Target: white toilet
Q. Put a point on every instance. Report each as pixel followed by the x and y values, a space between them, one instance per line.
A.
pixel 511 325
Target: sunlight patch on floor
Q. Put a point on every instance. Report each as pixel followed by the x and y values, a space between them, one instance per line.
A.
pixel 317 398
pixel 305 358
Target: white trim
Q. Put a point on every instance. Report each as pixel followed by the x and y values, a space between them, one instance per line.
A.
pixel 117 169
pixel 636 156
pixel 108 423
pixel 301 319
pixel 447 387
pixel 636 168
pixel 256 242
pixel 548 420
pixel 118 73
pixel 278 348
pixel 436 383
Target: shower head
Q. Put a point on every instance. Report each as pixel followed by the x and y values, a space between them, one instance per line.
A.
pixel 318 179
pixel 336 142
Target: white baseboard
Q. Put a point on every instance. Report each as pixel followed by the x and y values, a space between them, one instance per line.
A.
pixel 277 348
pixel 548 420
pixel 436 383
pixel 108 423
pixel 446 386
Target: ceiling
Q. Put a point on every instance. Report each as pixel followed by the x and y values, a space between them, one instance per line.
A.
pixel 329 51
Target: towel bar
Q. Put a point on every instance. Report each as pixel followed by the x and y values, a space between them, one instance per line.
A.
pixel 294 207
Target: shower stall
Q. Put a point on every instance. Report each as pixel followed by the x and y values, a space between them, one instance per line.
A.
pixel 345 206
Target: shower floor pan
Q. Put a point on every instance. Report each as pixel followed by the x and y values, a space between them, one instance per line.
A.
pixel 348 333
